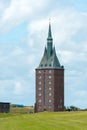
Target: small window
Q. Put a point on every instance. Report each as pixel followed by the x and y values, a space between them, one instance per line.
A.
pixel 50 88
pixel 50 94
pixel 40 82
pixel 50 82
pixel 50 76
pixel 39 100
pixel 50 101
pixel 49 71
pixel 39 71
pixel 50 107
pixel 39 94
pixel 45 64
pixel 41 65
pixel 49 64
pixel 39 88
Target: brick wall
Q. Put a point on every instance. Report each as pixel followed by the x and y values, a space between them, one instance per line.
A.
pixel 49 90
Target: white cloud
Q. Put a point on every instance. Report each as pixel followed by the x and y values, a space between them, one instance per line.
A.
pixel 68 24
pixel 18 11
pixel 18 88
pixel 3 5
pixel 70 57
pixel 17 52
pixel 38 26
pixel 30 59
pixel 6 89
pixel 81 93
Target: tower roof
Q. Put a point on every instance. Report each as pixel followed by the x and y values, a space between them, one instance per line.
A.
pixel 49 32
pixel 49 59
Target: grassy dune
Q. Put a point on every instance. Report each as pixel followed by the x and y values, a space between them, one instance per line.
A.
pixel 44 121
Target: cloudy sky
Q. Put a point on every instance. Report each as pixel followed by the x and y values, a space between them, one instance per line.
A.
pixel 23 34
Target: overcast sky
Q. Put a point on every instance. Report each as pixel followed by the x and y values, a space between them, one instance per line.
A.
pixel 23 34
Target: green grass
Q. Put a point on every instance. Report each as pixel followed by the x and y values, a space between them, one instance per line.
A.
pixel 44 121
pixel 23 110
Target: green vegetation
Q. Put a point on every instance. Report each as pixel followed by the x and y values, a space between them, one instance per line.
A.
pixel 44 121
pixel 21 110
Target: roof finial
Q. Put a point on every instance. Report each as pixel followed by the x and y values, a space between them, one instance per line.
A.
pixel 49 20
pixel 49 31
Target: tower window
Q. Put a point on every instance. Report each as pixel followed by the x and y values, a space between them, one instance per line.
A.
pixel 39 94
pixel 39 88
pixel 50 76
pixel 45 64
pixel 41 64
pixel 40 82
pixel 50 94
pixel 50 82
pixel 49 71
pixel 39 100
pixel 50 107
pixel 39 71
pixel 50 88
pixel 50 100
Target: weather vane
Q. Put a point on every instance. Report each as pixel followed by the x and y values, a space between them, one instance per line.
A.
pixel 49 20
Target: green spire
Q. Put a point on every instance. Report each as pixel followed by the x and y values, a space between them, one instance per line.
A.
pixel 49 41
pixel 49 32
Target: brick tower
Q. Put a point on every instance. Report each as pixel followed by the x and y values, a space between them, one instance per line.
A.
pixel 49 80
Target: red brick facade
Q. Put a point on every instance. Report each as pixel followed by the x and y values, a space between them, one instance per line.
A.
pixel 49 90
